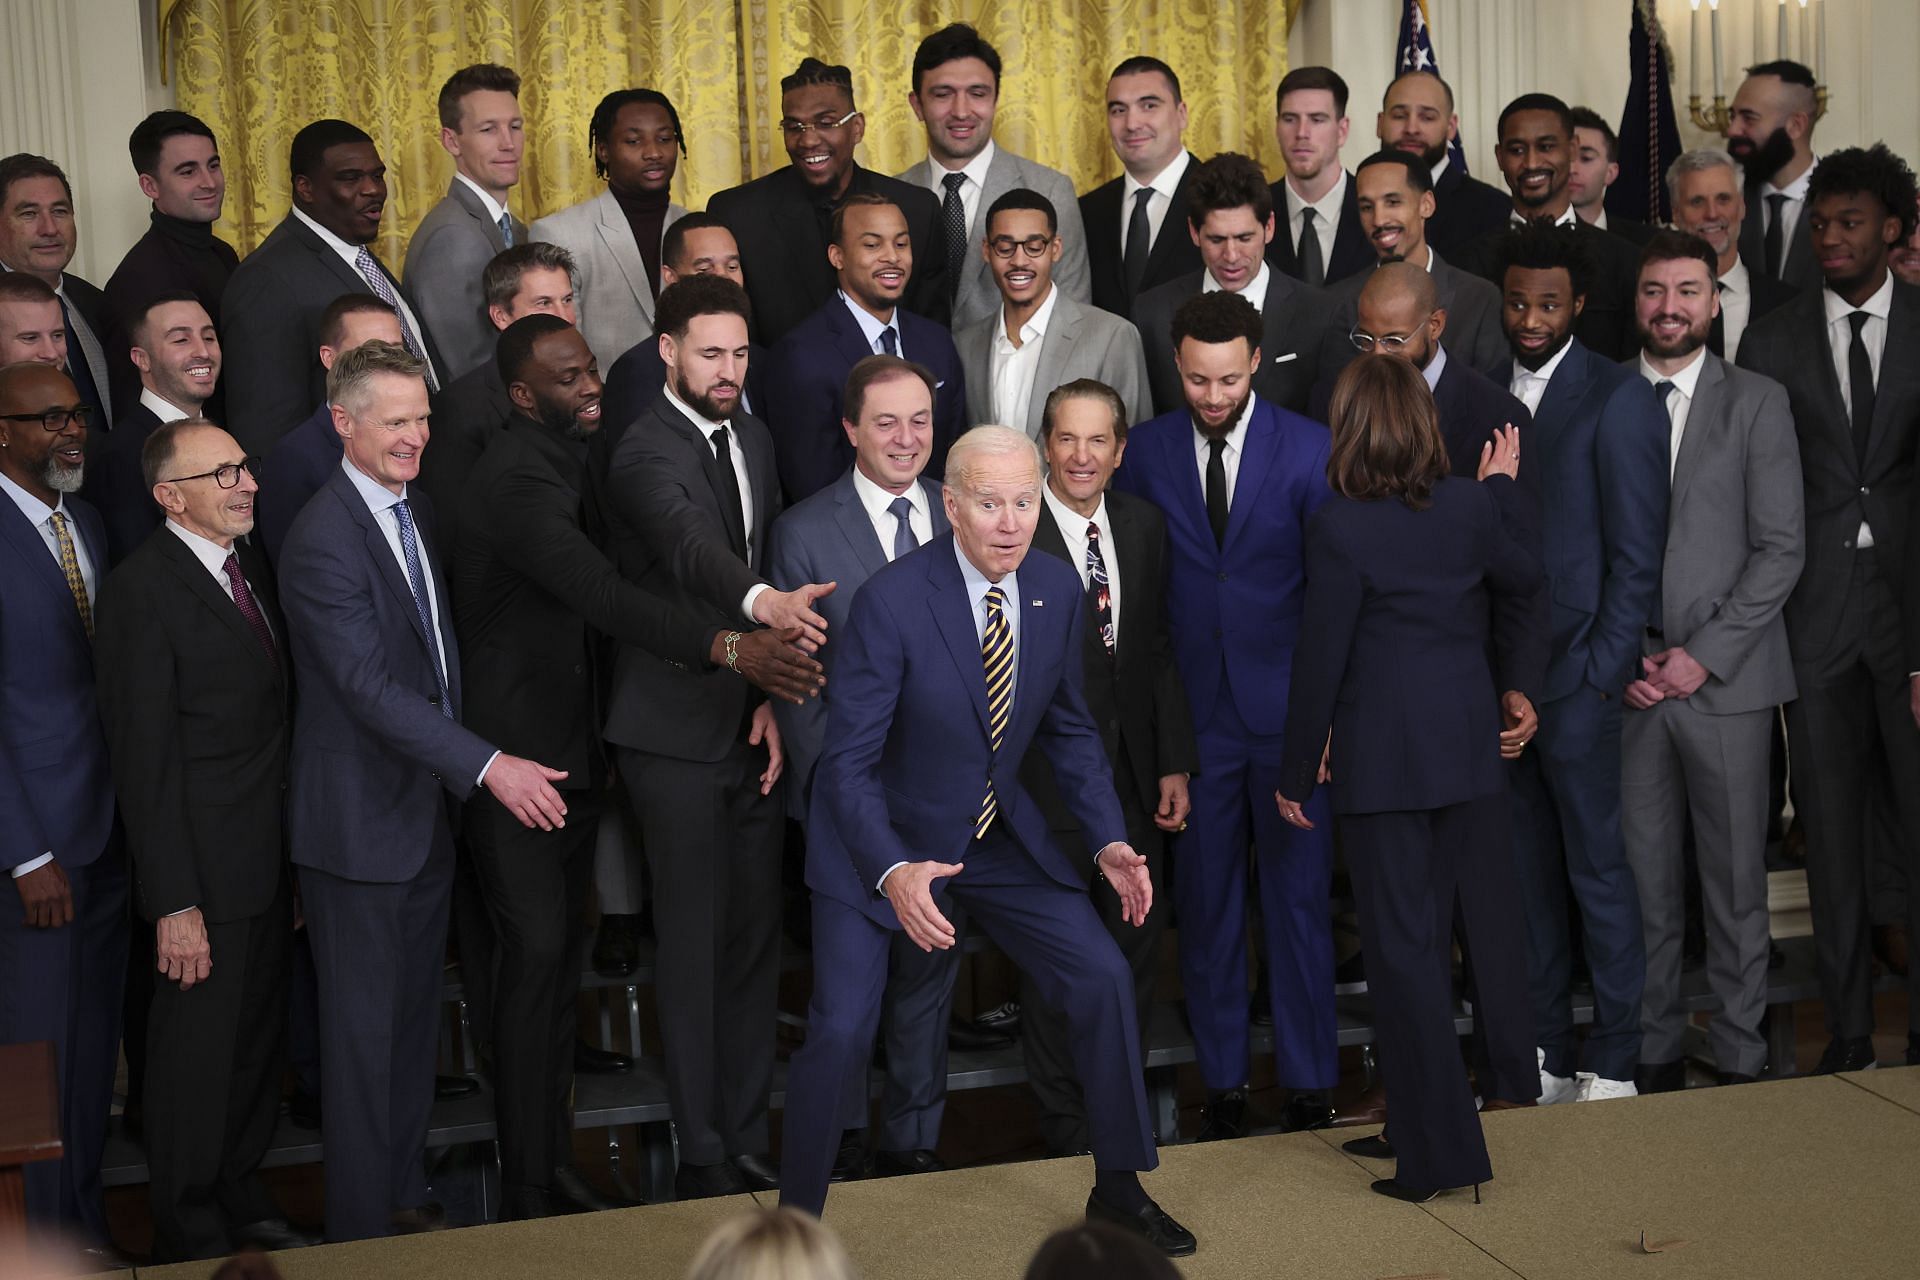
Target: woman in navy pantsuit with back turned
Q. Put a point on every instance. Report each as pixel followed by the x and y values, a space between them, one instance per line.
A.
pixel 1395 660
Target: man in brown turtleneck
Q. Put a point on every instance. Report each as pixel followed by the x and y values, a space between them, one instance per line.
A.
pixel 178 162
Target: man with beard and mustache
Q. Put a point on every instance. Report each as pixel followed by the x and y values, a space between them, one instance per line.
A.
pixel 1238 478
pixel 533 593
pixel 1417 117
pixel 783 221
pixel 1598 448
pixel 64 943
pixel 1708 202
pixel 1844 354
pixel 1699 722
pixel 691 493
pixel 1535 153
pixel 1770 132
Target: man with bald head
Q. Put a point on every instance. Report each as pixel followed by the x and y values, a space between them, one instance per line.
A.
pixel 192 659
pixel 1770 132
pixel 955 658
pixel 1417 117
pixel 68 928
pixel 31 329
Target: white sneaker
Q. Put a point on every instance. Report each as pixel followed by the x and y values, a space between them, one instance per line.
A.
pixel 1593 1088
pixel 1554 1088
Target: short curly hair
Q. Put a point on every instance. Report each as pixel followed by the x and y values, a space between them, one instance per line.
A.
pixel 1874 170
pixel 1541 246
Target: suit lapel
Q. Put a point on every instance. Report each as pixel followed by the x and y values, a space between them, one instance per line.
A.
pixel 1261 443
pixel 378 549
pixel 30 547
pixel 1568 384
pixel 186 566
pixel 1131 552
pixel 1056 347
pixel 1705 418
pixel 953 614
pixel 708 461
pixel 616 233
pixel 1893 395
pixel 851 515
pixel 1174 227
pixel 332 262
pixel 1827 378
pixel 848 338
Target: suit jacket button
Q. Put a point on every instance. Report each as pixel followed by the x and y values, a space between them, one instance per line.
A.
pixel 1864 491
pixel 1216 633
pixel 578 669
pixel 1223 577
pixel 1848 544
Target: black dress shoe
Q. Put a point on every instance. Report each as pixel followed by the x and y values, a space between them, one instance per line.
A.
pixel 1394 1189
pixel 274 1233
pixel 571 1193
pixel 616 948
pixel 1375 1148
pixel 1661 1077
pixel 1004 1018
pixel 967 1035
pixel 758 1172
pixel 1350 975
pixel 445 1087
pixel 431 1216
pixel 526 1204
pixel 1151 1223
pixel 595 1061
pixel 891 1164
pixel 1737 1077
pixel 1913 1048
pixel 701 1181
pixel 1306 1109
pixel 104 1257
pixel 303 1109
pixel 850 1163
pixel 1226 1115
pixel 1855 1054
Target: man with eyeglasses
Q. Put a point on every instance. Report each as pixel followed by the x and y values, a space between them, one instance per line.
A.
pixel 63 945
pixel 1039 337
pixel 192 659
pixel 783 221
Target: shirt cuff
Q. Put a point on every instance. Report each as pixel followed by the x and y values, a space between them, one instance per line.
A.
pixel 880 885
pixel 753 593
pixel 182 911
pixel 33 865
pixel 481 781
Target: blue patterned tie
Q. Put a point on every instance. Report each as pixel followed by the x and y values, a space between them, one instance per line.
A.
pixel 506 229
pixel 376 279
pixel 417 580
pixel 903 539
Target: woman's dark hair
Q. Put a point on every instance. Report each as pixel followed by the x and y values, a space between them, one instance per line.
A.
pixel 1386 433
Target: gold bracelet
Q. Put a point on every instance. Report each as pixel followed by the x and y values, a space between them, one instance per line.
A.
pixel 733 651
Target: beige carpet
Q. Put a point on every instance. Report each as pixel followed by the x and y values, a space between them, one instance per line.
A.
pixel 1810 1179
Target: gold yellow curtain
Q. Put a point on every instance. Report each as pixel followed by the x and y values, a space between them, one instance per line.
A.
pixel 257 70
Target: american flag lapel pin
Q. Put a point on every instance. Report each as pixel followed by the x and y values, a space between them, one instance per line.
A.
pixel 1039 604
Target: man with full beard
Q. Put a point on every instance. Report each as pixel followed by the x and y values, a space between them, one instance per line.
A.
pixel 1417 117
pixel 1770 132
pixel 1714 665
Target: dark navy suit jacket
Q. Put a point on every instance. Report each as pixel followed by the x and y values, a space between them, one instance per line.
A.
pixel 1235 608
pixel 907 750
pixel 56 791
pixel 807 372
pixel 1393 657
pixel 374 758
pixel 295 468
pixel 1598 451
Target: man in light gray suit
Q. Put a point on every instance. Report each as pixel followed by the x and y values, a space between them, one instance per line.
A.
pixel 615 237
pixel 1038 338
pixel 878 510
pixel 481 128
pixel 956 87
pixel 1700 712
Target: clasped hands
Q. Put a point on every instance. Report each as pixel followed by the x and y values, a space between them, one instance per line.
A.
pixel 1671 673
pixel 909 887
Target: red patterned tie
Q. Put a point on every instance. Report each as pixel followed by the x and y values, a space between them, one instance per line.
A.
pixel 249 607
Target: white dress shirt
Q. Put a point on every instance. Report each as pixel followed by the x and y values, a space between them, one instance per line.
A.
pixel 1566 219
pixel 165 410
pixel 878 503
pixel 1736 307
pixel 871 327
pixel 1873 335
pixel 971 190
pixel 1327 210
pixel 1796 194
pixel 1014 368
pixel 350 254
pixel 1255 292
pixel 1073 530
pixel 1230 460
pixel 739 459
pixel 495 210
pixel 1678 402
pixel 1529 386
pixel 1164 184
pixel 1435 367
pixel 40 516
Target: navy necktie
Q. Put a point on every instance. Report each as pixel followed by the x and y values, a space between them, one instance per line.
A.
pixel 417 581
pixel 890 341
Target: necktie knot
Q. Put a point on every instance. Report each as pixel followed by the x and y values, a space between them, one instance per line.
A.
pixel 1858 319
pixel 996 600
pixel 719 439
pixel 506 228
pixel 1664 389
pixel 904 538
pixel 1093 532
pixel 890 341
pixel 953 182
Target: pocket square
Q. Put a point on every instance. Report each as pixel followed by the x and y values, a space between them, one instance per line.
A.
pixel 1282 359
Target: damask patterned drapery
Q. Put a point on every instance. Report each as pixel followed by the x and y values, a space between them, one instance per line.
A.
pixel 257 70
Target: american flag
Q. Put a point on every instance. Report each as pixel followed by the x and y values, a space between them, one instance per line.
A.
pixel 1415 53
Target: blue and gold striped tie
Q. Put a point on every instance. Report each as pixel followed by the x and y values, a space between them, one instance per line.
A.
pixel 996 649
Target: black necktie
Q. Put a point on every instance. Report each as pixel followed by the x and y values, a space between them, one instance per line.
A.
pixel 730 494
pixel 1099 590
pixel 1217 489
pixel 953 215
pixel 1313 270
pixel 1860 385
pixel 889 341
pixel 1776 232
pixel 1717 335
pixel 1139 241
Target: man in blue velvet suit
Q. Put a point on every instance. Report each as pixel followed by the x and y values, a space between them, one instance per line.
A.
pixel 63 932
pixel 872 257
pixel 1238 478
pixel 1598 457
pixel 880 510
pixel 955 659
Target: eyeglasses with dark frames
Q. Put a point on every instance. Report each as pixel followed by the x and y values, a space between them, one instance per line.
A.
pixel 1032 246
pixel 226 476
pixel 56 419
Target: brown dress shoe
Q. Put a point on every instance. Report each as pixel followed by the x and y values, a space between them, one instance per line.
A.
pixel 1369 1108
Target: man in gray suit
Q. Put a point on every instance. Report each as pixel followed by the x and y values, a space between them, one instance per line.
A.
pixel 481 129
pixel 615 237
pixel 956 87
pixel 1699 724
pixel 1038 337
pixel 1394 193
pixel 877 511
pixel 378 753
